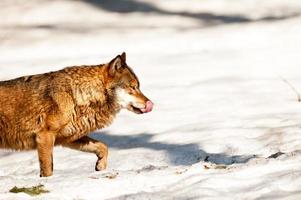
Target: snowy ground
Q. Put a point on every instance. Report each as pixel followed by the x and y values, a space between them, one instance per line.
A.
pixel 225 125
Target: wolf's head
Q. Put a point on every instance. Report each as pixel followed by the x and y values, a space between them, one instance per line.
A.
pixel 125 85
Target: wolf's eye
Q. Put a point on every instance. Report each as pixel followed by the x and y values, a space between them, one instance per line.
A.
pixel 131 90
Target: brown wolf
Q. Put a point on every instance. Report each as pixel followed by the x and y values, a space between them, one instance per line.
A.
pixel 63 107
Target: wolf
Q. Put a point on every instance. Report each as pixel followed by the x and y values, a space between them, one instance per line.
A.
pixel 63 107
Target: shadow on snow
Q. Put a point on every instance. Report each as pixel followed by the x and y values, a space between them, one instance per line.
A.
pixel 130 6
pixel 179 154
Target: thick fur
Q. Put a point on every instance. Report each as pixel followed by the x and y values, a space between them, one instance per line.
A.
pixel 63 107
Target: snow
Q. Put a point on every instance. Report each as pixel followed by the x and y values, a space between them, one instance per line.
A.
pixel 222 110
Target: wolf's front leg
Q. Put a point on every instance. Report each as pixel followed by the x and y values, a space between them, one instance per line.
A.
pixel 90 145
pixel 45 142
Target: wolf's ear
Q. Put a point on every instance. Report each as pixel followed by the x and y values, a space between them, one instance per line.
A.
pixel 116 65
pixel 123 57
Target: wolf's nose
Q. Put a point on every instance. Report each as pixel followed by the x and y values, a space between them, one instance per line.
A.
pixel 149 106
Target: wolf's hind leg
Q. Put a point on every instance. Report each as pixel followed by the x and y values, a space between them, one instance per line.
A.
pixel 45 142
pixel 90 145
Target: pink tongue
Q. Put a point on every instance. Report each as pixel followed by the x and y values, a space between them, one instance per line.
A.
pixel 148 108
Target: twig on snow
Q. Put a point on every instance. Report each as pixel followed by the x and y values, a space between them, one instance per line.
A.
pixel 292 87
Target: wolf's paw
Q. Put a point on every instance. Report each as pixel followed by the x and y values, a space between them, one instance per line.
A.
pixel 101 164
pixel 45 173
